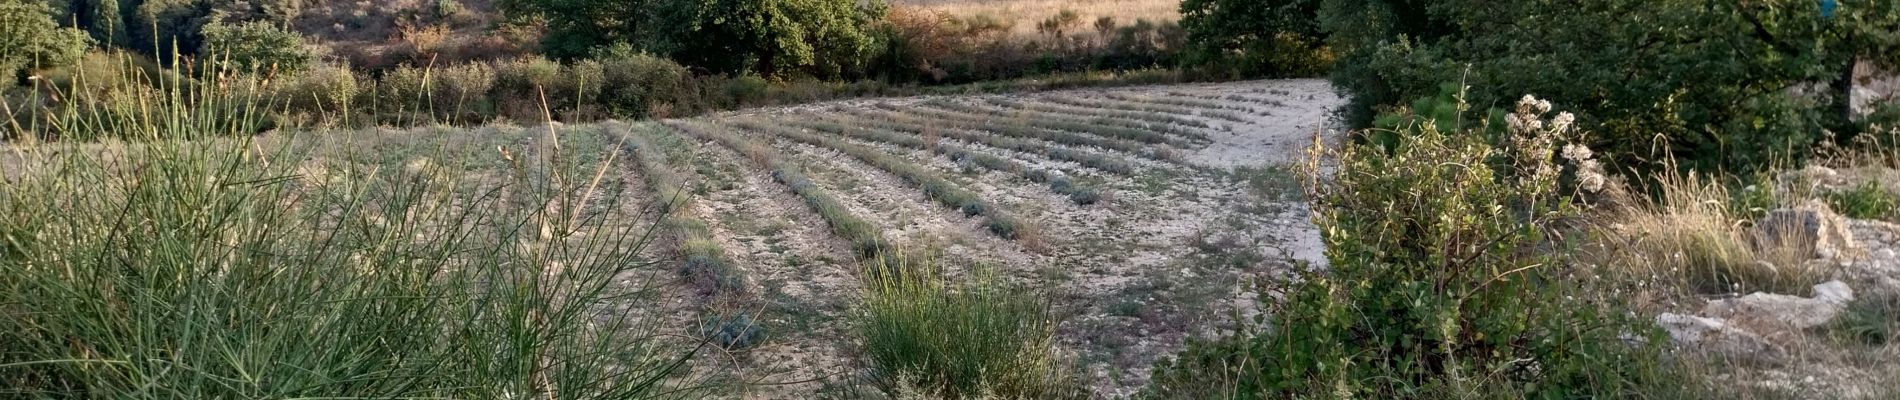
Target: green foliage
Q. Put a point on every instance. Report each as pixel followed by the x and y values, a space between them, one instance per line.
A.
pixel 643 85
pixel 1255 38
pixel 1443 280
pixel 1711 84
pixel 773 38
pixel 255 47
pixel 1866 201
pixel 826 39
pixel 29 38
pixel 929 339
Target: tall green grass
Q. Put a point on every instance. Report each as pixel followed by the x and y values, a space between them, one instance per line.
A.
pixel 204 262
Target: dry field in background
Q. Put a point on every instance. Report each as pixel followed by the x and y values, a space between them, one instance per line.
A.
pixel 1026 13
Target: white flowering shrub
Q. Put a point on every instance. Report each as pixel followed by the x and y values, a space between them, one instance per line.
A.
pixel 1446 279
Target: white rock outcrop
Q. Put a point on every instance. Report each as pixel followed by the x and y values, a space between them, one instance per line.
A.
pixel 1779 309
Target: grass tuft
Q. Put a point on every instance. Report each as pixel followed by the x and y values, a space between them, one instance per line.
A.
pixel 978 340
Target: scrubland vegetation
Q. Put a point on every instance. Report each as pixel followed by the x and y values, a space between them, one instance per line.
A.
pixel 589 199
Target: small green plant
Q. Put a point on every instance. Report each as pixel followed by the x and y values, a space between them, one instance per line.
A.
pixel 978 339
pixel 1866 201
pixel 1871 319
pixel 732 332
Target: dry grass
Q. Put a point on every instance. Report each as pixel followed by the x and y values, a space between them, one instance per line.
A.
pixel 1024 14
pixel 1692 238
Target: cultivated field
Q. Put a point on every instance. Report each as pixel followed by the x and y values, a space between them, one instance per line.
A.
pixel 1143 214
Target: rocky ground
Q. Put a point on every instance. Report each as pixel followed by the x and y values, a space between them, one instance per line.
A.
pixel 1834 342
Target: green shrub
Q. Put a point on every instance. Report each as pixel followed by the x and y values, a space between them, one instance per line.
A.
pixel 255 47
pixel 1443 280
pixel 321 89
pixel 1654 80
pixel 638 85
pixel 1866 201
pixel 520 84
pixel 461 92
pixel 404 89
pixel 980 339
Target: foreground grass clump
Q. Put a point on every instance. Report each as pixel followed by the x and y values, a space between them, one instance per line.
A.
pixel 1445 280
pixel 929 339
pixel 231 268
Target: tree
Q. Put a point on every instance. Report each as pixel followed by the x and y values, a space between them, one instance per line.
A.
pixel 29 38
pixel 1255 37
pixel 1713 85
pixel 577 28
pixel 254 47
pixel 822 38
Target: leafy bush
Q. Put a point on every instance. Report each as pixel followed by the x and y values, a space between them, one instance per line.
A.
pixel 320 89
pixel 937 341
pixel 520 84
pixel 1444 280
pixel 1255 38
pixel 460 92
pixel 641 85
pixel 1708 84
